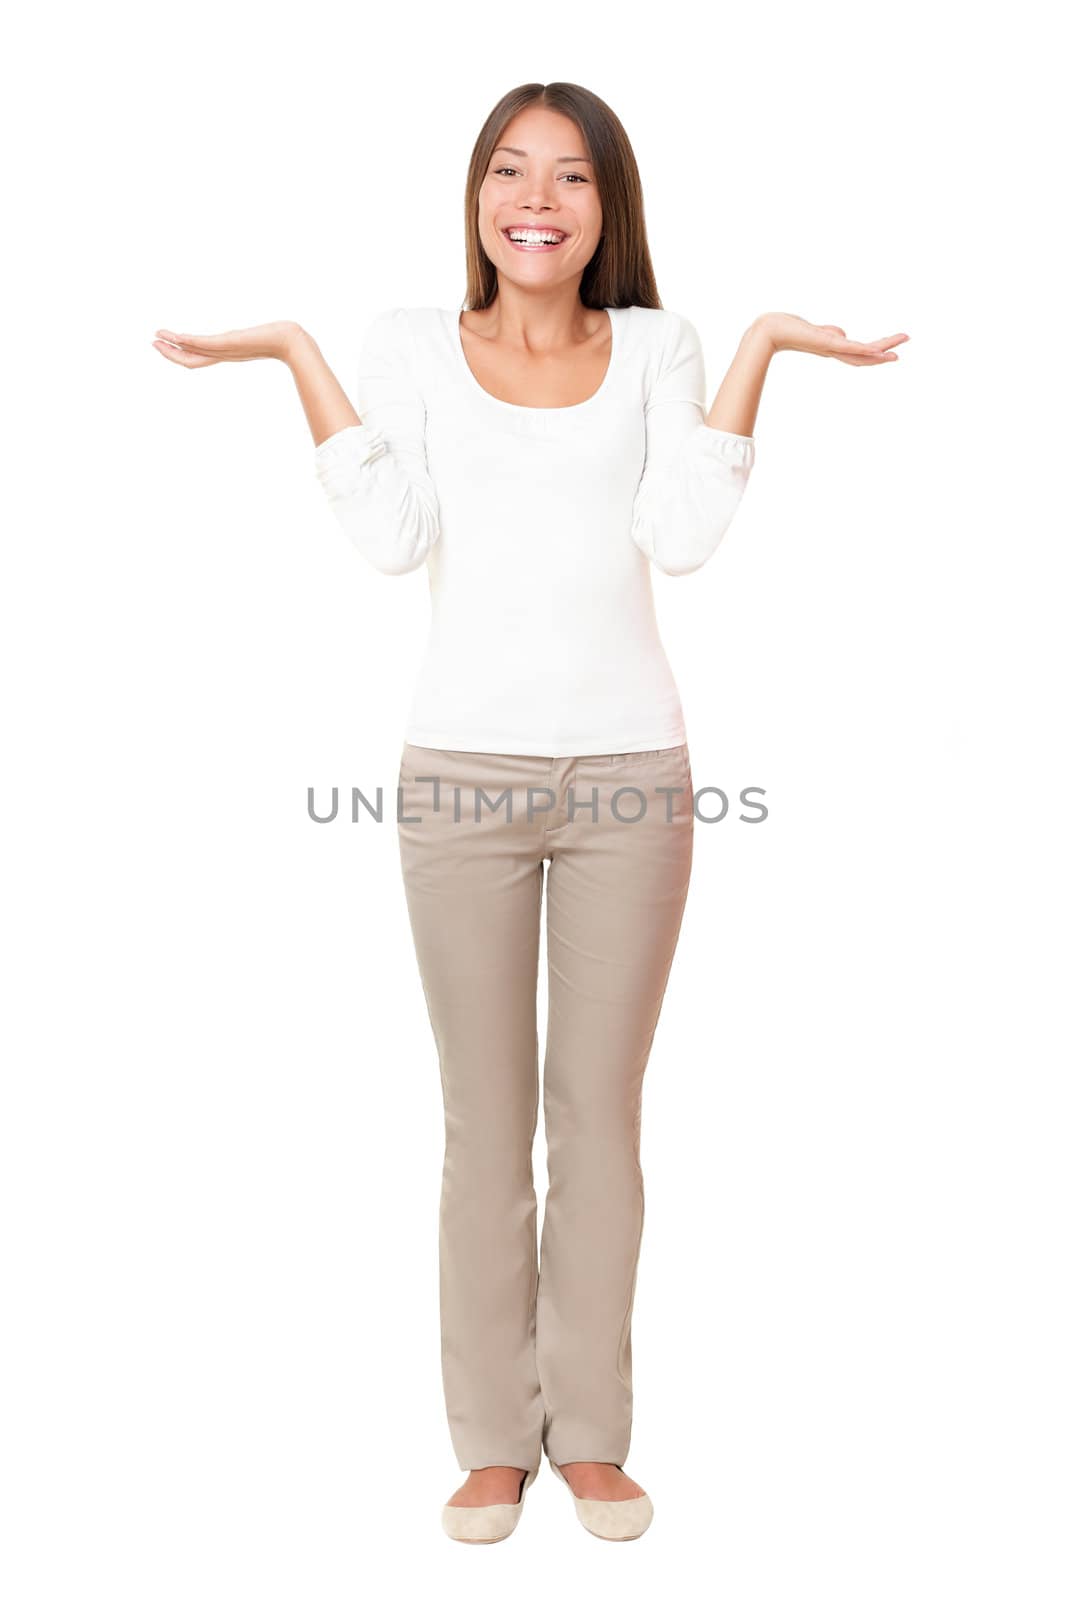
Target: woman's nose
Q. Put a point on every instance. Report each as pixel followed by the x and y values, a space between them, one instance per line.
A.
pixel 536 196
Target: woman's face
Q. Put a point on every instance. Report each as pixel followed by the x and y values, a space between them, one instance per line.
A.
pixel 540 177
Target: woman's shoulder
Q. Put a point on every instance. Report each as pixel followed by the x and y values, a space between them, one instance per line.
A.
pixel 402 317
pixel 415 334
pixel 647 316
pixel 652 326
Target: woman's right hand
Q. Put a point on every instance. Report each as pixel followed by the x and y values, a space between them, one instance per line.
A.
pixel 271 340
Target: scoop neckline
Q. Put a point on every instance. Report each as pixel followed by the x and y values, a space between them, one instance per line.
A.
pixel 550 411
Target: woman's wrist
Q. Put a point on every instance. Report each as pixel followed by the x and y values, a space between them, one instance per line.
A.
pixel 295 342
pixel 760 336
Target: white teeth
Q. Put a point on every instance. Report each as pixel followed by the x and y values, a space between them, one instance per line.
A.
pixel 534 236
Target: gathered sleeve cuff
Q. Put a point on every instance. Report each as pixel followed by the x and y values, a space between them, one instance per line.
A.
pixel 340 459
pixel 374 473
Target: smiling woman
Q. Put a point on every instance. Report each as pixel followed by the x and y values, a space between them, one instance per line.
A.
pixel 546 446
pixel 532 190
pixel 540 451
pixel 554 444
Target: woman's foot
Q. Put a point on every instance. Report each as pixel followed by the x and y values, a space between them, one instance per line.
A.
pixel 490 1486
pixel 599 1480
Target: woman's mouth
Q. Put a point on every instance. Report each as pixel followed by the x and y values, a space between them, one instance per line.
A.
pixel 535 238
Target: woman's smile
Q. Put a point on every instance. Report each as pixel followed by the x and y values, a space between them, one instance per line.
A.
pixel 534 239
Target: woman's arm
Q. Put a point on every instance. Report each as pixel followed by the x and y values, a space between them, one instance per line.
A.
pixel 734 407
pixel 737 402
pixel 371 467
pixel 697 463
pixel 326 406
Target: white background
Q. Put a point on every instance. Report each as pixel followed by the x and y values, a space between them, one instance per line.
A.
pixel 222 1129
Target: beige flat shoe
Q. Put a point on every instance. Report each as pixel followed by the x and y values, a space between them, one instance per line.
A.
pixel 485 1524
pixel 611 1519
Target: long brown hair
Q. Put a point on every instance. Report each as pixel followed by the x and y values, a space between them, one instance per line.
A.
pixel 619 272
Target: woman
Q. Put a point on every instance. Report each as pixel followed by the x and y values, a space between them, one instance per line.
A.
pixel 538 452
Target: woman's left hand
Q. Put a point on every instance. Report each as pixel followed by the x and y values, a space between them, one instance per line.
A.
pixel 786 332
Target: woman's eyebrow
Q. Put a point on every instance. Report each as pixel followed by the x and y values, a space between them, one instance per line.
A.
pixel 511 150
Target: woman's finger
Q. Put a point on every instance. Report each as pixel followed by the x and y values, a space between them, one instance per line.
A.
pixel 236 344
pixel 854 347
pixel 194 341
pixel 871 359
pixel 182 358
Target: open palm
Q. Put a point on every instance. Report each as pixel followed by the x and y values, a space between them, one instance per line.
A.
pixel 269 340
pixel 788 332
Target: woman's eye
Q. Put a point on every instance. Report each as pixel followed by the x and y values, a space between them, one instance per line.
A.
pixel 500 171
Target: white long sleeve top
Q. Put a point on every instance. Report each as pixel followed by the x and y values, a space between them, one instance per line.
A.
pixel 538 527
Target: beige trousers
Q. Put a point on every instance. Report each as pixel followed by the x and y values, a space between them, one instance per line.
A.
pixel 538 1353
